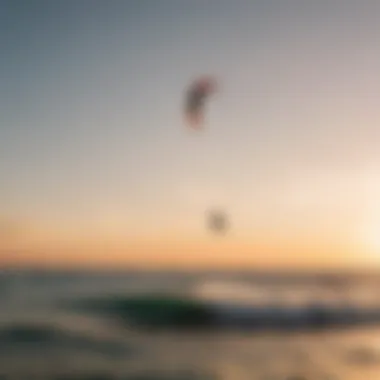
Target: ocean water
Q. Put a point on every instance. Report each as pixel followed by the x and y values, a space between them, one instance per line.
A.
pixel 43 337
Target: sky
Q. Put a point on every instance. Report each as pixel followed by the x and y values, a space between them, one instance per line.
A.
pixel 97 166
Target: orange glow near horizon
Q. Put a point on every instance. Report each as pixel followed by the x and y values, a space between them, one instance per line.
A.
pixel 263 250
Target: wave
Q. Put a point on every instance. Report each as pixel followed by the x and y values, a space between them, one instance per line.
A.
pixel 185 312
pixel 42 337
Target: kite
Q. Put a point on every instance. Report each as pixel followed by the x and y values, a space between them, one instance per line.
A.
pixel 196 96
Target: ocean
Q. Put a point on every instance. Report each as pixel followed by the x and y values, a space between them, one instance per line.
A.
pixel 79 325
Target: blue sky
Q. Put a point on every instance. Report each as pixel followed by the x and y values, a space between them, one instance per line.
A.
pixel 91 133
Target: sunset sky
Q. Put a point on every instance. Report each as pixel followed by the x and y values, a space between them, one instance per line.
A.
pixel 97 166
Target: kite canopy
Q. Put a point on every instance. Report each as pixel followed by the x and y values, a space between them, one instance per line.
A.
pixel 196 96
